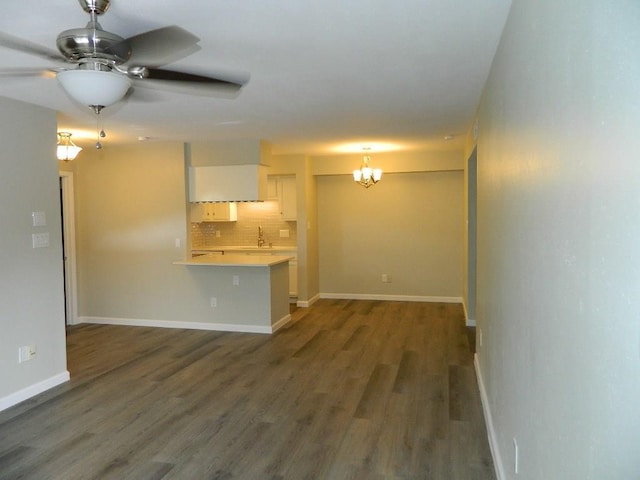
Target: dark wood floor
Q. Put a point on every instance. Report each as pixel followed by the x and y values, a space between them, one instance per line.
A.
pixel 350 390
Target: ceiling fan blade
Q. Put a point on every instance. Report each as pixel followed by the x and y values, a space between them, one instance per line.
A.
pixel 21 45
pixel 28 72
pixel 192 78
pixel 161 46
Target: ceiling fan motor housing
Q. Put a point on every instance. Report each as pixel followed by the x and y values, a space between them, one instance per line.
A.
pixel 82 43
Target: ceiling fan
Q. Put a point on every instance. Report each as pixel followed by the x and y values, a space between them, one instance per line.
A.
pixel 106 65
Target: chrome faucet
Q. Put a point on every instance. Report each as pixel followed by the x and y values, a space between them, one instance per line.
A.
pixel 260 236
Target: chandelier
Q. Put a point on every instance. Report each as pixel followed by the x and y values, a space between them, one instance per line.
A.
pixel 367 176
pixel 67 150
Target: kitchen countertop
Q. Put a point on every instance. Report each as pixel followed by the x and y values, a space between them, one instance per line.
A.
pixel 244 248
pixel 236 260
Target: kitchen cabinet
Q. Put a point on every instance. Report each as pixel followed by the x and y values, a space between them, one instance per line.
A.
pixel 283 190
pixel 214 212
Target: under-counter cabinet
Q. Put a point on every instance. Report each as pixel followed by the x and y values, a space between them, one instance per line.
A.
pixel 282 188
pixel 214 212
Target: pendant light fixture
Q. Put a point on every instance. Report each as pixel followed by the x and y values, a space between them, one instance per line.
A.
pixel 67 150
pixel 367 176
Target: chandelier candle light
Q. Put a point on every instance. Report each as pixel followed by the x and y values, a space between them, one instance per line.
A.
pixel 367 176
pixel 67 150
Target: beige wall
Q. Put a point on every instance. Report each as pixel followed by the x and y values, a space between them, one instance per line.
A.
pixel 131 209
pixel 559 230
pixel 31 280
pixel 408 226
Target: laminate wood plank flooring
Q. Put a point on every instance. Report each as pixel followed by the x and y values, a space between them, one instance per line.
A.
pixel 348 390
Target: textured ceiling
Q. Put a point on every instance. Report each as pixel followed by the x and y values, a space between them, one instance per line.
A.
pixel 324 76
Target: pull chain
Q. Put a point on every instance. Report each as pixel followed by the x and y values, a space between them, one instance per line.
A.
pixel 100 133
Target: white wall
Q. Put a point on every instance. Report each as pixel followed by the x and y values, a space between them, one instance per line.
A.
pixel 558 239
pixel 408 226
pixel 31 280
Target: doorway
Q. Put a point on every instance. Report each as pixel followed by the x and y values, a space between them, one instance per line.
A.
pixel 67 213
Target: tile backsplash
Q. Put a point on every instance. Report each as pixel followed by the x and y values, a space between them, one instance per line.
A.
pixel 245 230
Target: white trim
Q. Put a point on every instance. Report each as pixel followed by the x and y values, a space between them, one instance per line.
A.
pixel 488 419
pixel 469 322
pixel 390 298
pixel 33 390
pixel 217 327
pixel 308 303
pixel 280 323
pixel 69 229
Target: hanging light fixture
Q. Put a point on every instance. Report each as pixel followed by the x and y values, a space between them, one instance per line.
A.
pixel 367 176
pixel 67 150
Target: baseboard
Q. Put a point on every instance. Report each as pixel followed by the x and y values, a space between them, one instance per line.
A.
pixel 280 323
pixel 469 322
pixel 488 419
pixel 308 303
pixel 216 327
pixel 390 298
pixel 33 390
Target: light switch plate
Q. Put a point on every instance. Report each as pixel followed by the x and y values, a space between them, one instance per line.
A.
pixel 39 219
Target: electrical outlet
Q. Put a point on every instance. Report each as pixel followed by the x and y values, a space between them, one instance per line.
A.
pixel 177 243
pixel 385 278
pixel 214 302
pixel 217 233
pixel 236 280
pixel 26 353
pixel 40 240
pixel 284 233
pixel 516 456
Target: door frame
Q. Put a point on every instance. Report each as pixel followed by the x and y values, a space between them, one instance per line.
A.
pixel 472 236
pixel 69 253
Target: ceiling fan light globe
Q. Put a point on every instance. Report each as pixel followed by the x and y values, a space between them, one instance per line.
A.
pixel 94 87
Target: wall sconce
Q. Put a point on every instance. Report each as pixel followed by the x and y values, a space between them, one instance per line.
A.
pixel 67 150
pixel 367 176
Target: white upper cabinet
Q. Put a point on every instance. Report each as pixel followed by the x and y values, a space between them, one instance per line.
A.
pixel 283 190
pixel 214 212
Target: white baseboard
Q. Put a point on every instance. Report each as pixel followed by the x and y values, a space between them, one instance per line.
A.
pixel 488 419
pixel 33 390
pixel 469 322
pixel 390 298
pixel 308 303
pixel 216 327
pixel 280 323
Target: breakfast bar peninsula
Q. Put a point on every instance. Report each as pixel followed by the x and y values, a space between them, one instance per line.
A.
pixel 241 293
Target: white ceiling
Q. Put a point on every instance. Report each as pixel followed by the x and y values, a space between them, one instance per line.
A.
pixel 325 75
